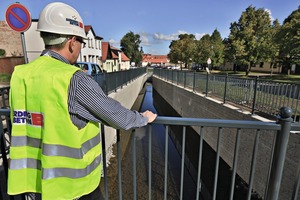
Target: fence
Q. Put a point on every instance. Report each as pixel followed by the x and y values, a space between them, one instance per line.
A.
pixel 257 95
pixel 112 81
pixel 282 129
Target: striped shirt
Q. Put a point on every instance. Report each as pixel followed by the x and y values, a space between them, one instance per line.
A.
pixel 88 102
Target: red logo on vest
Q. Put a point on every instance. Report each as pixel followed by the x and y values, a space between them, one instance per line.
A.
pixel 35 119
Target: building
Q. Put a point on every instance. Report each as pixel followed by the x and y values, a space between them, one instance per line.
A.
pixel 93 50
pixel 113 59
pixel 155 60
pixel 10 40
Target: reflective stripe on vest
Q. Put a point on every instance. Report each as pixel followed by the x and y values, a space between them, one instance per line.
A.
pixel 55 172
pixel 56 150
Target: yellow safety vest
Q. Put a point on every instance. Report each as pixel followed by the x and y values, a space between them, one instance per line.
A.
pixel 48 154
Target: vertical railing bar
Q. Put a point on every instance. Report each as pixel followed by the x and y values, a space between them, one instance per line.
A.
pixel 264 94
pixel 269 103
pixel 225 88
pixel 235 160
pixel 297 183
pixel 206 87
pixel 297 102
pixel 293 96
pixel 254 95
pixel 277 96
pixel 134 163
pixel 199 164
pixel 194 81
pixel 166 161
pixel 182 161
pixel 217 163
pixel 281 96
pixel 150 163
pixel 270 164
pixel 287 95
pixel 273 105
pixel 253 164
pixel 104 160
pixel 119 164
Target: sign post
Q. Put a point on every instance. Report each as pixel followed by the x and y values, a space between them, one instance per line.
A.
pixel 18 18
pixel 207 72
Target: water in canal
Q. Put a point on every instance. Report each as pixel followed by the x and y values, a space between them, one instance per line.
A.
pixel 139 139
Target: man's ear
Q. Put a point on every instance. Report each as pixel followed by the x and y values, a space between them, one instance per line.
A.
pixel 71 44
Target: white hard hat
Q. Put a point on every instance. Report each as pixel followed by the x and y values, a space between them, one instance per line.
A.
pixel 61 19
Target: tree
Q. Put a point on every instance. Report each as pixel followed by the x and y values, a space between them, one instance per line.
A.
pixel 273 50
pixel 250 37
pixel 130 45
pixel 203 50
pixel 217 47
pixel 182 50
pixel 288 38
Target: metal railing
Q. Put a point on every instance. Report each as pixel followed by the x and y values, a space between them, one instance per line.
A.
pixel 112 81
pixel 257 95
pixel 282 132
pixel 4 95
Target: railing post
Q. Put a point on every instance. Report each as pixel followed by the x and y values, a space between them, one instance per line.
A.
pixel 104 161
pixel 119 165
pixel 254 96
pixel 225 88
pixel 206 90
pixel 280 149
pixel 184 80
pixel 194 81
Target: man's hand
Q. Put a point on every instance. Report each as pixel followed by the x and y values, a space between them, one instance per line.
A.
pixel 150 115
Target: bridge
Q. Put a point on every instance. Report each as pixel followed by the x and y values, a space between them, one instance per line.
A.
pixel 264 153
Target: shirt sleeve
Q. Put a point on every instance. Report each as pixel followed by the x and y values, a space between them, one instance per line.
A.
pixel 92 104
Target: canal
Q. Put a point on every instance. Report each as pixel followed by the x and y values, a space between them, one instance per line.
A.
pixel 149 99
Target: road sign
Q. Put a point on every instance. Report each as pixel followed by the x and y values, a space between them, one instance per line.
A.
pixel 208 61
pixel 18 17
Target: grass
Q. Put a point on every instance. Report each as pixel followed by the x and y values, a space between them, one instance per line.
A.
pixel 265 76
pixel 5 77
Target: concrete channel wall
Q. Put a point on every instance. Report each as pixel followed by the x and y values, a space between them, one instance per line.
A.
pixel 126 96
pixel 189 104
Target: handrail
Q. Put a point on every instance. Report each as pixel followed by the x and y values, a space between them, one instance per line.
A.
pixel 256 94
pixel 282 127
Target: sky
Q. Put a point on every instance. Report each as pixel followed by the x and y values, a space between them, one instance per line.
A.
pixel 158 22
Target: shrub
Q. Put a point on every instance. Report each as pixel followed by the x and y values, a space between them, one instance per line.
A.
pixel 2 52
pixel 5 77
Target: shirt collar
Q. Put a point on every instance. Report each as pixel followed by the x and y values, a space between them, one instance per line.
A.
pixel 55 55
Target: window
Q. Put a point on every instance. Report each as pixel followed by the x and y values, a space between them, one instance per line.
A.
pixel 261 65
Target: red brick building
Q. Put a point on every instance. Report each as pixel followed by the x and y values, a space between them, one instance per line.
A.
pixel 155 60
pixel 10 40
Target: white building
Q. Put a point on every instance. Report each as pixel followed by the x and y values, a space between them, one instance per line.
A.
pixel 93 50
pixel 34 44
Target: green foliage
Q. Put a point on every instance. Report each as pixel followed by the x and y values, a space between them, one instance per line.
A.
pixel 5 77
pixel 2 52
pixel 182 50
pixel 218 46
pixel 288 39
pixel 253 39
pixel 250 38
pixel 130 45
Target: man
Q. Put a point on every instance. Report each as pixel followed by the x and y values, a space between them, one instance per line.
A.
pixel 56 110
